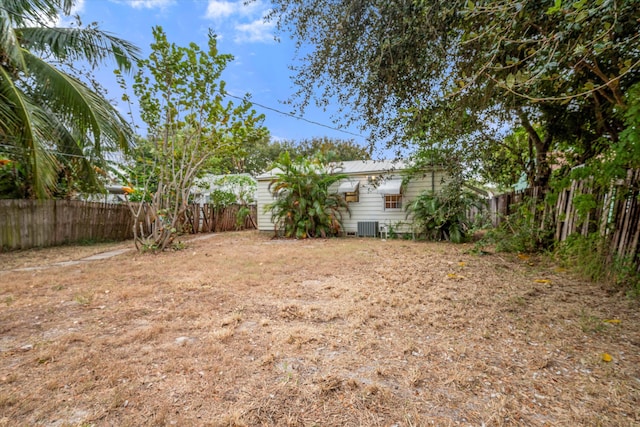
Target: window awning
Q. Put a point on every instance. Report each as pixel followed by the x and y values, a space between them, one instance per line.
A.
pixel 348 186
pixel 391 186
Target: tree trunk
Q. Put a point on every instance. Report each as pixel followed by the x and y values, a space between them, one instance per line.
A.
pixel 541 146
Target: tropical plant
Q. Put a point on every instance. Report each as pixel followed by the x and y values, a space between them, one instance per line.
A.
pixel 50 120
pixel 304 206
pixel 180 93
pixel 443 215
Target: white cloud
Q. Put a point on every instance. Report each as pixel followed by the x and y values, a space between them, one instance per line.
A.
pixel 217 9
pixel 256 31
pixel 220 9
pixel 244 19
pixel 149 4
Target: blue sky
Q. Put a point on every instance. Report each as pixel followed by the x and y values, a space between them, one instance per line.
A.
pixel 261 63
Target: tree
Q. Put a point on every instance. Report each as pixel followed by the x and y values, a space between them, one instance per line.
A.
pixel 454 74
pixel 180 93
pixel 504 163
pixel 51 122
pixel 256 157
pixel 304 206
pixel 337 149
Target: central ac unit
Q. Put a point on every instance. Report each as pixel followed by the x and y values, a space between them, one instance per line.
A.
pixel 367 228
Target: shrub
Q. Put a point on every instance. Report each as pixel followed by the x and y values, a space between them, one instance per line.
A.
pixel 588 256
pixel 304 206
pixel 525 230
pixel 443 216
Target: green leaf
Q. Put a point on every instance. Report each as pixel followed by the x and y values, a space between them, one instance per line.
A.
pixel 557 6
pixel 510 80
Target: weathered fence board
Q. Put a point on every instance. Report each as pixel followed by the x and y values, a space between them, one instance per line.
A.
pixel 38 223
pixel 616 214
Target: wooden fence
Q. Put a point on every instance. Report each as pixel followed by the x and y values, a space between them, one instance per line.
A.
pixel 207 219
pixel 614 212
pixel 38 223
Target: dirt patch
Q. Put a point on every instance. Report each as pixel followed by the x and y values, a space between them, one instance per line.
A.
pixel 244 330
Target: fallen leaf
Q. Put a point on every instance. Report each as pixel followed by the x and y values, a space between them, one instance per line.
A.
pixel 606 357
pixel 612 321
pixel 523 256
pixel 547 281
pixel 455 276
pixel 461 264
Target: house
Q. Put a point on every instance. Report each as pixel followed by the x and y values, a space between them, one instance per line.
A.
pixel 376 194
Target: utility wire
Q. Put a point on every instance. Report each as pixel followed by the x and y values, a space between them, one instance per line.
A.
pixel 292 115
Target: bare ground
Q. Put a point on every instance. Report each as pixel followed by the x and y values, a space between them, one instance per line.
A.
pixel 239 329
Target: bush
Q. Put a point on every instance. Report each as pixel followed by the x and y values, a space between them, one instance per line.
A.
pixel 443 216
pixel 587 255
pixel 304 207
pixel 526 230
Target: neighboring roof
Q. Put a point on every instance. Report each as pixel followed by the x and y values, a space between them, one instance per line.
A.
pixel 211 179
pixel 369 166
pixel 269 174
pixel 353 167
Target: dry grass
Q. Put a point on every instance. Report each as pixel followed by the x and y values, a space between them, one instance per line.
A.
pixel 241 330
pixel 50 255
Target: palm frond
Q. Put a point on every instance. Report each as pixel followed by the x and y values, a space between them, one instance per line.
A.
pixel 9 46
pixel 27 12
pixel 80 44
pixel 89 115
pixel 28 137
pixel 72 152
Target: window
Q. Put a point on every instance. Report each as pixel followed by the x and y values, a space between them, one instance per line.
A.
pixel 352 196
pixel 349 187
pixel 393 201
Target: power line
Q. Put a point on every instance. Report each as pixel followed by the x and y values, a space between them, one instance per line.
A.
pixel 293 115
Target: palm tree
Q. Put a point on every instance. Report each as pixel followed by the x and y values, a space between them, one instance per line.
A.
pixel 304 206
pixel 50 120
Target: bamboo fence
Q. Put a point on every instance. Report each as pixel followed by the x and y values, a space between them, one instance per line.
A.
pixel 614 212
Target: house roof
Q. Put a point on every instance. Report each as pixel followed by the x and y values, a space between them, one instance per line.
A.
pixel 353 167
pixel 369 166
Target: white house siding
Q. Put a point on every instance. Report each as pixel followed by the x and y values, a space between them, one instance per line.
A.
pixel 264 197
pixel 370 206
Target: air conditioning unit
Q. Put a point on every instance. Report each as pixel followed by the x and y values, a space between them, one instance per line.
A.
pixel 367 228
